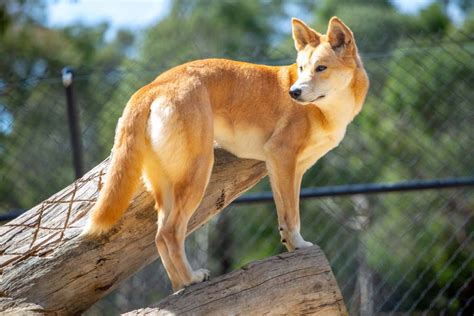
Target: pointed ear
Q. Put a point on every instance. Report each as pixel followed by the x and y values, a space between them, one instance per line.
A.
pixel 339 35
pixel 303 35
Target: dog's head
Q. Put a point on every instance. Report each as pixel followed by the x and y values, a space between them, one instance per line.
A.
pixel 326 62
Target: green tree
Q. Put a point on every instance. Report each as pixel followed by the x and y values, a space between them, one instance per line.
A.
pixel 34 157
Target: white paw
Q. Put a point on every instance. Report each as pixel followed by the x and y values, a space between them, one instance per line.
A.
pixel 298 242
pixel 303 244
pixel 200 275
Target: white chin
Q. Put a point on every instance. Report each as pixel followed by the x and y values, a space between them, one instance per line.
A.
pixel 318 99
pixel 303 102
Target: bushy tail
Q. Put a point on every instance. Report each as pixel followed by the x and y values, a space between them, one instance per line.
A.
pixel 124 171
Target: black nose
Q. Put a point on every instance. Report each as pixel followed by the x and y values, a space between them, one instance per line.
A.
pixel 295 93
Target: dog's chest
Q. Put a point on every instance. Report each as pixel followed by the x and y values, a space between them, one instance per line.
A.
pixel 318 146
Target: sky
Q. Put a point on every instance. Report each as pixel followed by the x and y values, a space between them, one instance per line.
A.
pixel 119 13
pixel 140 13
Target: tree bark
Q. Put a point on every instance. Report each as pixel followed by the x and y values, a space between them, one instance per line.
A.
pixel 44 268
pixel 295 283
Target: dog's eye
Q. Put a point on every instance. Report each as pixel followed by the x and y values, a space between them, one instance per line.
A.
pixel 320 68
pixel 300 68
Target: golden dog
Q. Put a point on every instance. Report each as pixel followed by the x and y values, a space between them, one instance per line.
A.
pixel 287 116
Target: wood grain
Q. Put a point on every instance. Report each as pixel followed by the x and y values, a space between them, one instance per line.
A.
pixel 296 283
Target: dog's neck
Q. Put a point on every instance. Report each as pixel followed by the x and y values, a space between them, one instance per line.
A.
pixel 337 109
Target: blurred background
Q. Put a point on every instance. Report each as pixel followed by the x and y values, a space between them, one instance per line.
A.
pixel 393 253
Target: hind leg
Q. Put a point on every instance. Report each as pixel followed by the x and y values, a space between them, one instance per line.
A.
pixel 157 183
pixel 181 138
pixel 175 204
pixel 188 193
pixel 173 275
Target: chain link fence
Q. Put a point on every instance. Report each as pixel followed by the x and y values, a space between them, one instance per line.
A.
pixel 392 253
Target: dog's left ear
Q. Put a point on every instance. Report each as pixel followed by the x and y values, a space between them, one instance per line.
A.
pixel 340 36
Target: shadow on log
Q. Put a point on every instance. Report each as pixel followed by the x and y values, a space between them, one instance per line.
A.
pixel 44 268
pixel 295 283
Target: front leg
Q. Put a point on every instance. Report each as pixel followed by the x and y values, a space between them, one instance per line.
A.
pixel 285 180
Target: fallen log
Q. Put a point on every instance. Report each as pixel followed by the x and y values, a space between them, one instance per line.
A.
pixel 44 268
pixel 296 283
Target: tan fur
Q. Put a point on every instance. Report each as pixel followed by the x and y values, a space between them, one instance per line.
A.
pixel 167 130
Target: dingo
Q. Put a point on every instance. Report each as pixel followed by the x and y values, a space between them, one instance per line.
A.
pixel 287 116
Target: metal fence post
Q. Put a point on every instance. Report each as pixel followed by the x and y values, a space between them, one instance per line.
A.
pixel 73 120
pixel 224 247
